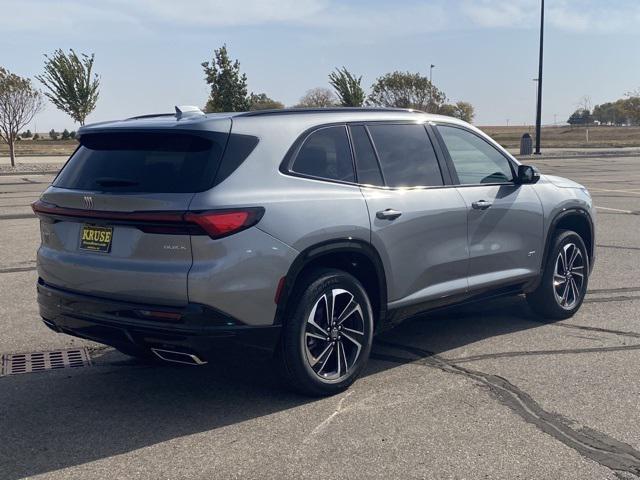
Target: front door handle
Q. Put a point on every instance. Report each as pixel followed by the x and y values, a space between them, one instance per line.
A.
pixel 481 205
pixel 388 214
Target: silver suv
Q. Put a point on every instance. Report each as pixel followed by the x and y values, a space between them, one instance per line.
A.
pixel 303 231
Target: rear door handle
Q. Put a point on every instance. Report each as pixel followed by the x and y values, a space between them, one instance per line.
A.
pixel 388 214
pixel 481 205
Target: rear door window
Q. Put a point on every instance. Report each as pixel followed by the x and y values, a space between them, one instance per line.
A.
pixel 326 154
pixel 406 155
pixel 143 162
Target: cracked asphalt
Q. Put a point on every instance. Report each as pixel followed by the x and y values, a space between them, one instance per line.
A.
pixel 482 391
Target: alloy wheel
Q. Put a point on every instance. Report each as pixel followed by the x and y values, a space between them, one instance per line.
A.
pixel 568 276
pixel 334 334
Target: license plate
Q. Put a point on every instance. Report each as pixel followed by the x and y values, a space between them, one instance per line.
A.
pixel 96 239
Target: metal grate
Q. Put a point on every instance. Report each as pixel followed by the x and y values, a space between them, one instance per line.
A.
pixel 17 363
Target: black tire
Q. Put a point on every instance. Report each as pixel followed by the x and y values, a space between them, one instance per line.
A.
pixel 300 341
pixel 547 300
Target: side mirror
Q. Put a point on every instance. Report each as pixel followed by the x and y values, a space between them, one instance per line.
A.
pixel 527 174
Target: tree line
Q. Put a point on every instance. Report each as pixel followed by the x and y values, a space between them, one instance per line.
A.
pixel 624 111
pixel 229 91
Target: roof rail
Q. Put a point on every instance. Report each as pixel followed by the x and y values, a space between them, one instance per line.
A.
pixel 286 111
pixel 152 115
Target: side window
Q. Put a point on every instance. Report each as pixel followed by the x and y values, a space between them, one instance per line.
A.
pixel 326 154
pixel 366 162
pixel 406 155
pixel 475 160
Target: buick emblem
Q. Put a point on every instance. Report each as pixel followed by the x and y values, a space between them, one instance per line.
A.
pixel 88 202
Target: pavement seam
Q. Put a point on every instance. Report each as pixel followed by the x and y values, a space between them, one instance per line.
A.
pixel 591 444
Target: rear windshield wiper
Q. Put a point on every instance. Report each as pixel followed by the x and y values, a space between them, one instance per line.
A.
pixel 115 182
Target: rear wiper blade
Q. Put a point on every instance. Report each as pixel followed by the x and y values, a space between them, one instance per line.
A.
pixel 115 182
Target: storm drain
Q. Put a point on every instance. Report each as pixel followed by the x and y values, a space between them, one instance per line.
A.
pixel 17 363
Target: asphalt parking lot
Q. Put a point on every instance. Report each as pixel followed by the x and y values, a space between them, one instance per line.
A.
pixel 485 391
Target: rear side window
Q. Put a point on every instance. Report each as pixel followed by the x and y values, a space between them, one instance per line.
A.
pixel 326 154
pixel 366 162
pixel 406 155
pixel 143 163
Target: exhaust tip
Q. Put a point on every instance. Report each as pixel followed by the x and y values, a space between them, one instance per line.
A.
pixel 178 357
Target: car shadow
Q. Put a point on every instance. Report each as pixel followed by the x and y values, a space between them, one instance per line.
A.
pixel 53 420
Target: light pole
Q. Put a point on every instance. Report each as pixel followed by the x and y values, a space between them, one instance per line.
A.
pixel 539 106
pixel 431 85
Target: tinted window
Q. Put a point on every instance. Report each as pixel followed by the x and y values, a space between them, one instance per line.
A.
pixel 366 162
pixel 475 160
pixel 406 155
pixel 326 154
pixel 143 163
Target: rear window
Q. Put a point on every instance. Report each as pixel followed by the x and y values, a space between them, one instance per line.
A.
pixel 326 154
pixel 144 163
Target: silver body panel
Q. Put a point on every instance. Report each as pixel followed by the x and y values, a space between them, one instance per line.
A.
pixel 439 247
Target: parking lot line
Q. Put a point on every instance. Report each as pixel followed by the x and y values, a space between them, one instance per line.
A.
pixel 616 210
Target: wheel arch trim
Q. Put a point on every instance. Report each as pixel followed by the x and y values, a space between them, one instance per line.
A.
pixel 553 225
pixel 328 248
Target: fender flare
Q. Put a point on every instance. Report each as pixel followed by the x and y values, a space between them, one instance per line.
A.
pixel 319 250
pixel 573 211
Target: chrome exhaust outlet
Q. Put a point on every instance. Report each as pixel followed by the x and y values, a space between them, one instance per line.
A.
pixel 178 357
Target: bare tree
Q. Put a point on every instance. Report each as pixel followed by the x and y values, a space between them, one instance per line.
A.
pixel 319 98
pixel 71 86
pixel 19 103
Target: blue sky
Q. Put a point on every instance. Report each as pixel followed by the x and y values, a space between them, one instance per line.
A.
pixel 148 52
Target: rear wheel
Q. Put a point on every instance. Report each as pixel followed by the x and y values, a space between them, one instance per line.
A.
pixel 564 280
pixel 327 337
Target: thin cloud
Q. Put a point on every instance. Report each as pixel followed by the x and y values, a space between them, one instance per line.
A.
pixel 356 17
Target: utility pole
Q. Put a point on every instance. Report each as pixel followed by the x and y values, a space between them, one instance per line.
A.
pixel 539 106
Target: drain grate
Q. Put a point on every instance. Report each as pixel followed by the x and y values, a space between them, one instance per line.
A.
pixel 17 363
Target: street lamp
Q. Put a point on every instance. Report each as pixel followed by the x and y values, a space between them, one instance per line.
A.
pixel 539 105
pixel 431 73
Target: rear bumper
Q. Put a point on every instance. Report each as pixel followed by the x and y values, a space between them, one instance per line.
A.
pixel 199 329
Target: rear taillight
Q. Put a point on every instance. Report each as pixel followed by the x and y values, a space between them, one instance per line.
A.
pixel 214 223
pixel 221 223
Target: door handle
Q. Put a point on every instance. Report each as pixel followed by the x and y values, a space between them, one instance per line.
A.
pixel 481 205
pixel 388 214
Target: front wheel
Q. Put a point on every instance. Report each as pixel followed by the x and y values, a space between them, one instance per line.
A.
pixel 564 280
pixel 327 337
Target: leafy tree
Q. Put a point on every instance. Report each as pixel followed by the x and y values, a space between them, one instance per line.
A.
pixel 26 134
pixel 36 136
pixel 72 134
pixel 19 103
pixel 65 134
pixel 72 86
pixel 318 98
pixel 347 87
pixel 260 101
pixel 53 135
pixel 406 90
pixel 464 111
pixel 581 116
pixel 228 85
pixel 631 107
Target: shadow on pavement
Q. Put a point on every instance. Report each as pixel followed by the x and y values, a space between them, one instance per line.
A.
pixel 64 418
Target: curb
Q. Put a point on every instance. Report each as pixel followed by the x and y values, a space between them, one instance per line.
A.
pixel 30 172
